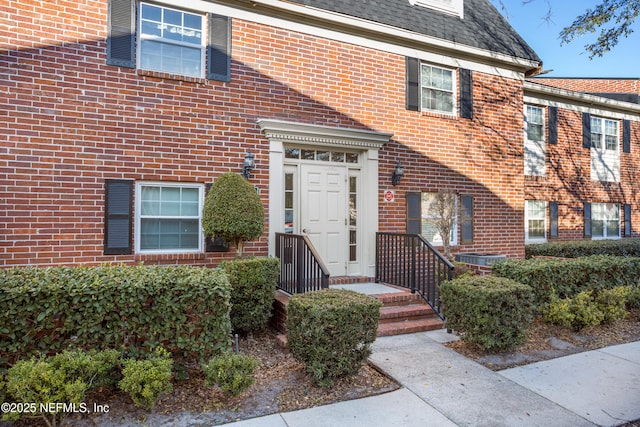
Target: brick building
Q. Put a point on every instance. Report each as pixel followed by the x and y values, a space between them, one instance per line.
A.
pixel 118 113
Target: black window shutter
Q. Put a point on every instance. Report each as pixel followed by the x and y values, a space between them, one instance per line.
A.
pixel 466 93
pixel 413 84
pixel 587 219
pixel 117 221
pixel 467 219
pixel 414 213
pixel 553 219
pixel 586 130
pixel 626 136
pixel 121 33
pixel 219 49
pixel 627 220
pixel 553 124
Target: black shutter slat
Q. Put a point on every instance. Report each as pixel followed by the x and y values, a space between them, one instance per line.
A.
pixel 553 124
pixel 413 84
pixel 121 33
pixel 117 224
pixel 586 130
pixel 414 213
pixel 627 220
pixel 553 219
pixel 467 219
pixel 466 93
pixel 626 136
pixel 587 220
pixel 219 49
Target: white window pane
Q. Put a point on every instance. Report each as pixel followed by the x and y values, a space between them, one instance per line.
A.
pixel 596 125
pixel 172 17
pixel 151 29
pixel 597 228
pixel 192 21
pixel 151 12
pixel 613 228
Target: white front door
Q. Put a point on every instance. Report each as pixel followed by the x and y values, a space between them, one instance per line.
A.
pixel 323 213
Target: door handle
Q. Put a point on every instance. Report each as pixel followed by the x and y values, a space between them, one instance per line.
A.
pixel 306 230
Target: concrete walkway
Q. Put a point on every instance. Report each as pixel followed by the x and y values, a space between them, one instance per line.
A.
pixel 443 388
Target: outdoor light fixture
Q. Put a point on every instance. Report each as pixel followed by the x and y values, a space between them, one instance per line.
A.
pixel 397 174
pixel 248 165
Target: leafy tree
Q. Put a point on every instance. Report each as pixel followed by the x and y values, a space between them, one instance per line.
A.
pixel 612 18
pixel 233 210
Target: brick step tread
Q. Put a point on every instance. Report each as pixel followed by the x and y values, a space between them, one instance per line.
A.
pixel 399 298
pixel 409 327
pixel 405 312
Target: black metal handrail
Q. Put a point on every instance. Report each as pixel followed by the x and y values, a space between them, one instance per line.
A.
pixel 301 268
pixel 409 261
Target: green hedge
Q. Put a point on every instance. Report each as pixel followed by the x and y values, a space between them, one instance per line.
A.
pixel 131 308
pixel 493 312
pixel 580 248
pixel 253 286
pixel 568 277
pixel 331 331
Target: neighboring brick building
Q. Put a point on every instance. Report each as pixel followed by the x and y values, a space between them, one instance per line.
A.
pixel 581 158
pixel 118 113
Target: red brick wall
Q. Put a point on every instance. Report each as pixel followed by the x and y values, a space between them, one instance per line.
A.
pixel 73 121
pixel 568 178
pixel 592 85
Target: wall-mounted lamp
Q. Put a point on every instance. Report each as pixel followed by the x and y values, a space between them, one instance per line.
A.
pixel 397 174
pixel 248 165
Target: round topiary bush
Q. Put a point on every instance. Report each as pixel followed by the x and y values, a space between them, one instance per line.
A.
pixel 492 312
pixel 233 210
pixel 331 332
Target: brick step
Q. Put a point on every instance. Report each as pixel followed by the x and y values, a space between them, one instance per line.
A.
pixel 399 298
pixel 409 326
pixel 402 313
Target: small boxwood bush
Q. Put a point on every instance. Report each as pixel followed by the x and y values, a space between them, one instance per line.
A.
pixel 131 308
pixel 146 380
pixel 633 298
pixel 253 286
pixel 233 373
pixel 587 308
pixel 580 248
pixel 331 332
pixel 568 277
pixel 492 312
pixel 63 378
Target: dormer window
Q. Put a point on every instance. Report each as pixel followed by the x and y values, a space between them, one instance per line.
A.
pixel 452 7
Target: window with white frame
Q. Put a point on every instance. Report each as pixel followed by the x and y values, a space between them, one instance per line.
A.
pixel 605 154
pixel 535 221
pixel 168 217
pixel 605 221
pixel 437 89
pixel 430 216
pixel 453 7
pixel 534 146
pixel 171 41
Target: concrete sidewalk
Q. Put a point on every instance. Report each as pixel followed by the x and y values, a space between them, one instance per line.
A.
pixel 444 388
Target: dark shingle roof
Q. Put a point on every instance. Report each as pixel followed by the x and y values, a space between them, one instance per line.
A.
pixel 482 27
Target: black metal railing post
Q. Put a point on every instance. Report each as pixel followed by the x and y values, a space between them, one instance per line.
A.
pixel 301 268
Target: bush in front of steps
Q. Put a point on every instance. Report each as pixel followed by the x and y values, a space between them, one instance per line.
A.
pixel 331 332
pixel 492 312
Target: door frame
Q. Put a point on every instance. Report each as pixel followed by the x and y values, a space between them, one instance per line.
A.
pixel 366 142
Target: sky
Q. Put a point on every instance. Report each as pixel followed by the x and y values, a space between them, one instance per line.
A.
pixel 569 60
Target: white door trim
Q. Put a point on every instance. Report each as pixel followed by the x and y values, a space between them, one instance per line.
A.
pixel 367 142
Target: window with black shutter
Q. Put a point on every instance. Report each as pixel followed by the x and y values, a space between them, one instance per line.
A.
pixel 413 84
pixel 553 219
pixel 466 93
pixel 219 49
pixel 118 218
pixel 626 136
pixel 586 130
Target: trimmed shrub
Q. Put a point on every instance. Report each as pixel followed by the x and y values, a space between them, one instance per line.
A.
pixel 331 332
pixel 131 308
pixel 233 210
pixel 633 298
pixel 580 248
pixel 61 379
pixel 233 373
pixel 568 277
pixel 253 286
pixel 146 380
pixel 611 302
pixel 577 312
pixel 492 312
